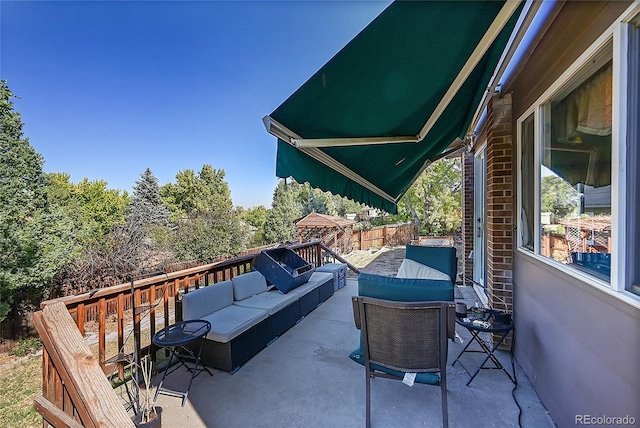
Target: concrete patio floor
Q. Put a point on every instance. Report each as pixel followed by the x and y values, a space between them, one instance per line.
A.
pixel 305 379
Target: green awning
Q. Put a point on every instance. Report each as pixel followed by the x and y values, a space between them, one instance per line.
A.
pixel 402 91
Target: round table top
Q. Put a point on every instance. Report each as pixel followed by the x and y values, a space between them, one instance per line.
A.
pixel 497 323
pixel 182 333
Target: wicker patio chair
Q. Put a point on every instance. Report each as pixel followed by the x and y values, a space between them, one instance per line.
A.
pixel 403 337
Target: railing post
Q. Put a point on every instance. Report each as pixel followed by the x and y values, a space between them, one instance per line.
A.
pixel 102 336
pixel 318 255
pixel 152 320
pixel 81 391
pixel 80 314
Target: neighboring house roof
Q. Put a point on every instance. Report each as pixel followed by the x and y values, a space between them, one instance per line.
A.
pixel 319 221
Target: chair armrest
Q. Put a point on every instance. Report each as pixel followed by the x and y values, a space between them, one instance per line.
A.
pixel 451 322
pixel 356 312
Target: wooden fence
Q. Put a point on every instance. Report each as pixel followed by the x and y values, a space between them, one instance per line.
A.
pixel 390 235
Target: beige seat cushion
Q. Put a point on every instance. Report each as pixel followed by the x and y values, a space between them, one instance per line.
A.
pixel 233 320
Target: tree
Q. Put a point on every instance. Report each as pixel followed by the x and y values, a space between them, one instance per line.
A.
pixel 94 209
pixel 132 246
pixel 436 198
pixel 102 209
pixel 558 197
pixel 207 224
pixel 97 217
pixel 256 217
pixel 315 200
pixel 148 217
pixel 147 206
pixel 346 206
pixel 285 210
pixel 33 244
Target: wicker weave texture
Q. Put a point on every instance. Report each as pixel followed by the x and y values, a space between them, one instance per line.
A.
pixel 229 356
pixel 284 319
pixel 404 339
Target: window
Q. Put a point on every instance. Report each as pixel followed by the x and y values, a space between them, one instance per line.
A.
pixel 575 171
pixel 527 198
pixel 577 209
pixel 633 155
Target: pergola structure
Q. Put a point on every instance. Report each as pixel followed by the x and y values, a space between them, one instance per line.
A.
pixel 334 232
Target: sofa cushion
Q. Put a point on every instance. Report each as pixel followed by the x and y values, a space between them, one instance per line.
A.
pixel 203 301
pixel 442 258
pixel 413 269
pixel 315 281
pixel 231 321
pixel 248 284
pixel 272 301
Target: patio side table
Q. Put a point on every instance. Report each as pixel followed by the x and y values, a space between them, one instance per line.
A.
pixel 175 338
pixel 501 325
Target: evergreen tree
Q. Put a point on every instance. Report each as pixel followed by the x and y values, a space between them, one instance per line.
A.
pixel 146 206
pixel 33 239
pixel 148 217
pixel 285 210
pixel 132 245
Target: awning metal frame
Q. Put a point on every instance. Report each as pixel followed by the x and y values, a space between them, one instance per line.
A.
pixel 508 9
pixel 312 146
pixel 285 134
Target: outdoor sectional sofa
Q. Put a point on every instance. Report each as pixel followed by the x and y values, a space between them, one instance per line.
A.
pixel 246 316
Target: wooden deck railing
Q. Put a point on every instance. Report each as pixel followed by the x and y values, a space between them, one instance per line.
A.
pixel 155 297
pixel 70 366
pixel 75 392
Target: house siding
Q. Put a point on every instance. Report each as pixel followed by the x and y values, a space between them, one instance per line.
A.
pixel 579 345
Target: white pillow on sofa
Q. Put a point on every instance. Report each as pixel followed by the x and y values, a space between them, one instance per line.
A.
pixel 413 269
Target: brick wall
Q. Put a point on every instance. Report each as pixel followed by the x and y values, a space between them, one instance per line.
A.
pixel 500 203
pixel 468 219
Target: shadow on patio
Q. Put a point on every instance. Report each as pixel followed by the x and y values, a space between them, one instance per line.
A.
pixel 305 379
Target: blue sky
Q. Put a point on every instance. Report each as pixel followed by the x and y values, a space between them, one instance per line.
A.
pixel 108 89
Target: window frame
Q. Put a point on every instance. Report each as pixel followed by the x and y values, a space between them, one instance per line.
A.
pixel 615 39
pixel 632 40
